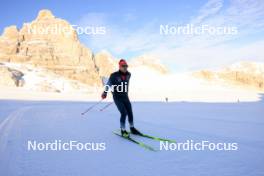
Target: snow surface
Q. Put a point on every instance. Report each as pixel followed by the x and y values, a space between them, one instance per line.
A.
pixel 47 121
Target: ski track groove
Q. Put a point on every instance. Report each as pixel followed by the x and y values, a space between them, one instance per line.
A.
pixel 11 125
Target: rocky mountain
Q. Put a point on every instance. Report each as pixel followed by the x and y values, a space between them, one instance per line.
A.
pixel 243 74
pixel 51 43
pixel 150 63
pixel 105 63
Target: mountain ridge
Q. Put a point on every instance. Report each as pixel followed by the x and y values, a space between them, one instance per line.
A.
pixel 43 43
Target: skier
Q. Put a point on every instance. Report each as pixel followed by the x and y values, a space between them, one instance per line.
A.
pixel 118 82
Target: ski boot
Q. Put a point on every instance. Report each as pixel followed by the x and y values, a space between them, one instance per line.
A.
pixel 133 130
pixel 124 133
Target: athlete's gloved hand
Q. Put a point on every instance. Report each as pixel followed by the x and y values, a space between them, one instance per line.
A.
pixel 104 95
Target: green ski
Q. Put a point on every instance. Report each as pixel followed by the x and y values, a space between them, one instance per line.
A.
pixel 156 138
pixel 135 141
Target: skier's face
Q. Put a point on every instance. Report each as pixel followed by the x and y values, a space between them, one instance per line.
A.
pixel 123 68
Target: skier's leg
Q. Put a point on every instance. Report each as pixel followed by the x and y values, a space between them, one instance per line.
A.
pixel 128 107
pixel 122 109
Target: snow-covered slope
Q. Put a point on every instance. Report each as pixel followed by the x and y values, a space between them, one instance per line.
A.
pixel 147 84
pixel 248 67
pixel 247 75
pixel 149 62
pixel 40 79
pixel 45 122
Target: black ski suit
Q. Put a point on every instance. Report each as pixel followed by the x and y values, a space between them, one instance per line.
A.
pixel 119 80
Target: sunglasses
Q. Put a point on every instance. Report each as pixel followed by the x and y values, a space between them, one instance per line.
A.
pixel 124 66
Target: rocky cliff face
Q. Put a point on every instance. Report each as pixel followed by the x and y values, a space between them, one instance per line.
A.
pixel 51 43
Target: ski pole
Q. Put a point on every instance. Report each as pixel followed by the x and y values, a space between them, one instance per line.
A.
pixel 106 106
pixel 91 107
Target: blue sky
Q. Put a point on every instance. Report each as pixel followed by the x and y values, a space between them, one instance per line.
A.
pixel 133 28
pixel 17 12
